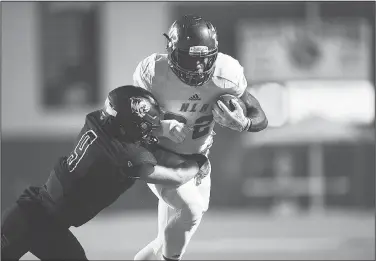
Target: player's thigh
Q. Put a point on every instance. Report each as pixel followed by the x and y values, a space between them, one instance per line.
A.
pixel 55 242
pixel 18 223
pixel 48 238
pixel 15 236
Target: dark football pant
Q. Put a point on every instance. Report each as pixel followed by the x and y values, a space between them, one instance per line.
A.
pixel 26 226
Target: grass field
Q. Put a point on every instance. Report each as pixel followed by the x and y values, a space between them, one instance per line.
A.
pixel 238 235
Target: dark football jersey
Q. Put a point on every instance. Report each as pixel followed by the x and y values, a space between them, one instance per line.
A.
pixel 96 173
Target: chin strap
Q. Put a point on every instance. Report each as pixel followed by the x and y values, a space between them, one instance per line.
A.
pixel 168 38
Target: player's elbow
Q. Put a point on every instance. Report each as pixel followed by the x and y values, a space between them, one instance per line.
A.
pixel 261 123
pixel 264 124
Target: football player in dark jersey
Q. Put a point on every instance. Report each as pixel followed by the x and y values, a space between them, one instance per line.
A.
pixel 114 149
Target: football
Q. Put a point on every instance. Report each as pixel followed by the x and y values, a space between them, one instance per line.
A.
pixel 226 99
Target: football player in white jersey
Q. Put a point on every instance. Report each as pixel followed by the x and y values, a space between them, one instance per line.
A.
pixel 187 82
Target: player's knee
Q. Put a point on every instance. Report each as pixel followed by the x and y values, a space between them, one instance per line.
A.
pixel 192 214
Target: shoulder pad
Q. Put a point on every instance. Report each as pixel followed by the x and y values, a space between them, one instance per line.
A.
pixel 229 74
pixel 148 68
pixel 144 72
pixel 227 68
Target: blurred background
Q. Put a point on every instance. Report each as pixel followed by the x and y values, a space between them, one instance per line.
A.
pixel 302 189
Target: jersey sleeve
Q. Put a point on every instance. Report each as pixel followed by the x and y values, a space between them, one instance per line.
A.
pixel 84 153
pixel 144 73
pixel 237 81
pixel 229 74
pixel 80 160
pixel 241 85
pixel 138 155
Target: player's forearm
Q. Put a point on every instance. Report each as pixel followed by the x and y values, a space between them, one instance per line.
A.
pixel 258 119
pixel 175 176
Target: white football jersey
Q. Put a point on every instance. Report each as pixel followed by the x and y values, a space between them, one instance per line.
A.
pixel 188 104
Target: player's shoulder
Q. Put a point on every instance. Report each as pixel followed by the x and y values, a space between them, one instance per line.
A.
pixel 152 64
pixel 151 67
pixel 93 121
pixel 94 129
pixel 227 69
pixel 225 60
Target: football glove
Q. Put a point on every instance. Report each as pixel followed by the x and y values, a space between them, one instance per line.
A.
pixel 203 164
pixel 173 130
pixel 235 120
pixel 202 173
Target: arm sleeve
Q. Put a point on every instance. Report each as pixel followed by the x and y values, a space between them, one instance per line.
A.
pixel 240 83
pixel 140 155
pixel 229 74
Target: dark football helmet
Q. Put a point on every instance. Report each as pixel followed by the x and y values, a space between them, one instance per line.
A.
pixel 134 113
pixel 192 48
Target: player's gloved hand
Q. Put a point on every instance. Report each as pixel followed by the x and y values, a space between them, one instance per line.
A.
pixel 203 164
pixel 208 144
pixel 173 130
pixel 202 173
pixel 235 120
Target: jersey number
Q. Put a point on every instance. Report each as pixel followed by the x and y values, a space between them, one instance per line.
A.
pixel 200 128
pixel 79 151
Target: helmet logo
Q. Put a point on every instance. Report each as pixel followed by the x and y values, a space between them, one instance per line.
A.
pixel 140 106
pixel 198 50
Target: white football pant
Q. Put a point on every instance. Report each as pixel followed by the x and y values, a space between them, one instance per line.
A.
pixel 180 211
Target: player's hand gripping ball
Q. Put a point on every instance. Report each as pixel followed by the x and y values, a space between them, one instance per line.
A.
pixel 230 111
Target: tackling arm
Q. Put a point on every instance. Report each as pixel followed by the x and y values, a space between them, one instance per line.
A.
pixel 255 113
pixel 168 176
pixel 179 170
